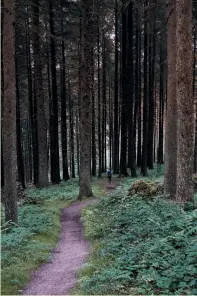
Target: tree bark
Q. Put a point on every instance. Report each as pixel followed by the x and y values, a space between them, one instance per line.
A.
pixel 41 117
pixel 185 104
pixel 116 103
pixel 170 177
pixel 9 128
pixel 85 103
pixel 123 152
pixel 145 101
pixel 54 143
pixel 64 109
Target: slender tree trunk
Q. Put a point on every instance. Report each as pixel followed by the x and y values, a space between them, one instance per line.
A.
pixel 32 109
pixel 145 102
pixel 39 95
pixel 139 142
pixel 170 179
pixel 103 103
pixel 20 163
pixel 116 103
pixel 63 108
pixel 152 56
pixel 9 127
pixel 71 121
pixel 185 104
pixel 85 103
pixel 93 122
pixel 194 95
pixel 130 86
pixel 99 105
pixel 54 143
pixel 123 155
pixel 161 108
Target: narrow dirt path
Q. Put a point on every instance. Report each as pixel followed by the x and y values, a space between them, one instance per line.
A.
pixel 58 277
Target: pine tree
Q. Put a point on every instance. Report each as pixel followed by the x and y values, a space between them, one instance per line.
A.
pixel 85 102
pixel 9 109
pixel 185 104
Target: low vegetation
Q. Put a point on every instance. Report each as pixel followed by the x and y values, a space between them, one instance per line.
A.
pixel 140 245
pixel 26 245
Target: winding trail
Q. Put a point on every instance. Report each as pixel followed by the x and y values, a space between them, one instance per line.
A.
pixel 58 276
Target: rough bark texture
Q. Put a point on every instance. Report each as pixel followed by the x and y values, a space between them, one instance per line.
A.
pixel 116 104
pixel 185 105
pixel 64 110
pixel 9 127
pixel 54 141
pixel 124 81
pixel 144 170
pixel 171 114
pixel 85 104
pixel 41 117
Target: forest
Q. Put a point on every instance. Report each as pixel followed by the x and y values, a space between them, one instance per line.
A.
pixel 98 147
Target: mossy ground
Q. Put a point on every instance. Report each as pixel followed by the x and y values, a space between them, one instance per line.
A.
pixel 30 243
pixel 139 246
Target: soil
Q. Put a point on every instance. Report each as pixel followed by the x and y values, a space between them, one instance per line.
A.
pixel 58 276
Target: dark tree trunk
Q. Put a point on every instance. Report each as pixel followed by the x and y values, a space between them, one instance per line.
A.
pixel 99 105
pixel 151 115
pixel 116 103
pixel 103 103
pixel 63 108
pixel 170 176
pixel 85 102
pixel 33 123
pixel 54 143
pixel 185 104
pixel 194 92
pixel 20 163
pixel 93 122
pixel 42 180
pixel 145 102
pixel 9 109
pixel 161 108
pixel 123 153
pixel 71 123
pixel 130 87
pixel 139 141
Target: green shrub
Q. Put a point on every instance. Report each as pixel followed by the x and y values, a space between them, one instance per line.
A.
pixel 145 246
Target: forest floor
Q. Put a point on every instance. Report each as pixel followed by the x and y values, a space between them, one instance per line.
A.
pixel 58 276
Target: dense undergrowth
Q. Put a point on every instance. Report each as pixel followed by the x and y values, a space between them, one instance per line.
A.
pixel 26 245
pixel 140 246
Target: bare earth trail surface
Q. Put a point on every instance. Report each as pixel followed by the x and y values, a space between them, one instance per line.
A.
pixel 58 276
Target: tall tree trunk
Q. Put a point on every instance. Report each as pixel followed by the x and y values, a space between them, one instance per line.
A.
pixel 152 56
pixel 130 87
pixel 93 122
pixel 71 121
pixel 170 178
pixel 41 117
pixel 194 92
pixel 185 104
pixel 85 103
pixel 136 102
pixel 20 163
pixel 30 100
pixel 145 102
pixel 63 107
pixel 116 103
pixel 139 141
pixel 103 103
pixel 161 107
pixel 54 143
pixel 99 104
pixel 9 127
pixel 123 154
